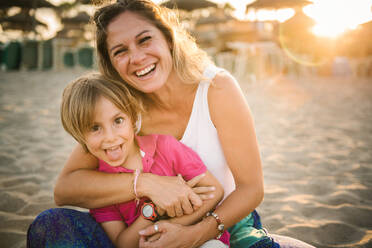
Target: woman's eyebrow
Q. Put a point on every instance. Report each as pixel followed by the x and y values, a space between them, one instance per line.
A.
pixel 144 31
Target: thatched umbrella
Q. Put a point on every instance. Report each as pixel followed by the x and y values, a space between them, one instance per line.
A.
pixel 29 4
pixel 188 5
pixel 295 38
pixel 21 21
pixel 80 18
pixel 213 19
pixel 277 4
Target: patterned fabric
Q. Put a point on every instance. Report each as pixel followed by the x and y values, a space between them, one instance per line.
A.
pixel 249 233
pixel 61 227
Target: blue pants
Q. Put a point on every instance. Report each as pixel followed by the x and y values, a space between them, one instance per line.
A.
pixel 61 227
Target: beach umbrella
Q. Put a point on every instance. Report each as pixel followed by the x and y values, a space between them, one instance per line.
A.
pixel 213 19
pixel 295 34
pixel 277 4
pixel 30 4
pixel 21 21
pixel 188 5
pixel 81 17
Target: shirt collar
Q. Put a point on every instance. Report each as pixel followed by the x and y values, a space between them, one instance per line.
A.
pixel 147 145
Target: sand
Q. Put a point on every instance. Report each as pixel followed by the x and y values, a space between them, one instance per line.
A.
pixel 315 136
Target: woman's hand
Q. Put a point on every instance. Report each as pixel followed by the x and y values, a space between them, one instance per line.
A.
pixel 172 194
pixel 169 235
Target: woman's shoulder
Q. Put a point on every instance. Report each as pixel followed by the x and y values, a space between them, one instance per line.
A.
pixel 223 85
pixel 225 97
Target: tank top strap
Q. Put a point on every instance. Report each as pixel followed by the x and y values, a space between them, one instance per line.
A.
pixel 210 72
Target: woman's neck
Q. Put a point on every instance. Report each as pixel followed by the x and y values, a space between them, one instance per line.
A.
pixel 172 94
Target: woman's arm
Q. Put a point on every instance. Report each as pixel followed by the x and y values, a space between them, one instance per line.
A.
pixel 80 184
pixel 234 124
pixel 129 237
pixel 210 181
pixel 123 236
pixel 236 132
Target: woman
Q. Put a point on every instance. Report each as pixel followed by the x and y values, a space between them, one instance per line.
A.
pixel 142 45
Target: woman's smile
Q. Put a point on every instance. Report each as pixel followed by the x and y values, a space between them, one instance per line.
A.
pixel 146 71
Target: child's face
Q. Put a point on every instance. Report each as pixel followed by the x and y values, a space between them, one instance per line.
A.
pixel 111 137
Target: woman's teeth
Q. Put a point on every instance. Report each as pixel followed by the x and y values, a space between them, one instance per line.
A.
pixel 145 71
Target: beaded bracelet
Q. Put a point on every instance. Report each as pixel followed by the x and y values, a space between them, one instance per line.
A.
pixel 136 175
pixel 220 225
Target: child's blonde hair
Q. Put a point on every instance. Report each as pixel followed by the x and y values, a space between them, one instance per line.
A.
pixel 79 99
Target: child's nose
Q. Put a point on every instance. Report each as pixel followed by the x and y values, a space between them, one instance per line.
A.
pixel 109 134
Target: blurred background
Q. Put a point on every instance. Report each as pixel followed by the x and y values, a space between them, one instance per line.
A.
pixel 304 66
pixel 253 39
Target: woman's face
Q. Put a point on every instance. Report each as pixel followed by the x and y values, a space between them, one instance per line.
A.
pixel 139 52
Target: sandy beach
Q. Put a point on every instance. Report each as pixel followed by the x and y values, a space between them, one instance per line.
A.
pixel 315 136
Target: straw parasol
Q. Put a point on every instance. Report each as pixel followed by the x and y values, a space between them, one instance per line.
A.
pixel 277 4
pixel 80 18
pixel 188 5
pixel 213 19
pixel 30 4
pixel 21 21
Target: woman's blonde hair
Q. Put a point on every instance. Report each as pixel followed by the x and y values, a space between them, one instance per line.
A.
pixel 189 61
pixel 80 97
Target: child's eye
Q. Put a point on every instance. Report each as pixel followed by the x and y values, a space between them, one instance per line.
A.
pixel 119 120
pixel 94 128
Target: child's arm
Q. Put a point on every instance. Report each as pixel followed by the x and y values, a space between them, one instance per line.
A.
pixel 122 236
pixel 128 237
pixel 208 205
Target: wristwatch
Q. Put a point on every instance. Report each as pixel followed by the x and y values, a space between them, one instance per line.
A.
pixel 220 225
pixel 148 211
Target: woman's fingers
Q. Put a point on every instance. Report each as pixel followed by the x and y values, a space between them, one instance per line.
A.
pixel 170 211
pixel 186 206
pixel 206 196
pixel 203 190
pixel 154 237
pixel 151 230
pixel 178 209
pixel 195 180
pixel 173 194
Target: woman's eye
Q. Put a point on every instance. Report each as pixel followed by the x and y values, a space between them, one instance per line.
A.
pixel 119 51
pixel 144 39
pixel 119 120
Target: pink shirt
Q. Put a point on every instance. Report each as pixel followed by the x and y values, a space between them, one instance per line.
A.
pixel 161 155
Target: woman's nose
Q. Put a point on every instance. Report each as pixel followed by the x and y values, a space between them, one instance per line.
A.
pixel 137 56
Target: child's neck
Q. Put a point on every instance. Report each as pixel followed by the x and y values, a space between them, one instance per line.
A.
pixel 134 160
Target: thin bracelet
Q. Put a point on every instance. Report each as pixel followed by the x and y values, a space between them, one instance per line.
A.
pixel 220 225
pixel 136 175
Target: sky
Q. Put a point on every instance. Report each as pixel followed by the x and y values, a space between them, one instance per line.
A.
pixel 332 17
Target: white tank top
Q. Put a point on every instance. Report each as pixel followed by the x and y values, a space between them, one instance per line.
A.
pixel 201 135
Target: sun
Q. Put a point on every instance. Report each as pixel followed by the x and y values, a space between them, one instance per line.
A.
pixel 334 17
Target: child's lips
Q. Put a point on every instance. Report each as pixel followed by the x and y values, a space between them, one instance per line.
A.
pixel 113 153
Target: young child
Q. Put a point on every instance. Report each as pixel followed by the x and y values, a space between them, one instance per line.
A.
pixel 101 115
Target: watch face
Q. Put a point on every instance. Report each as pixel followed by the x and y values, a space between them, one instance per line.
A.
pixel 147 211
